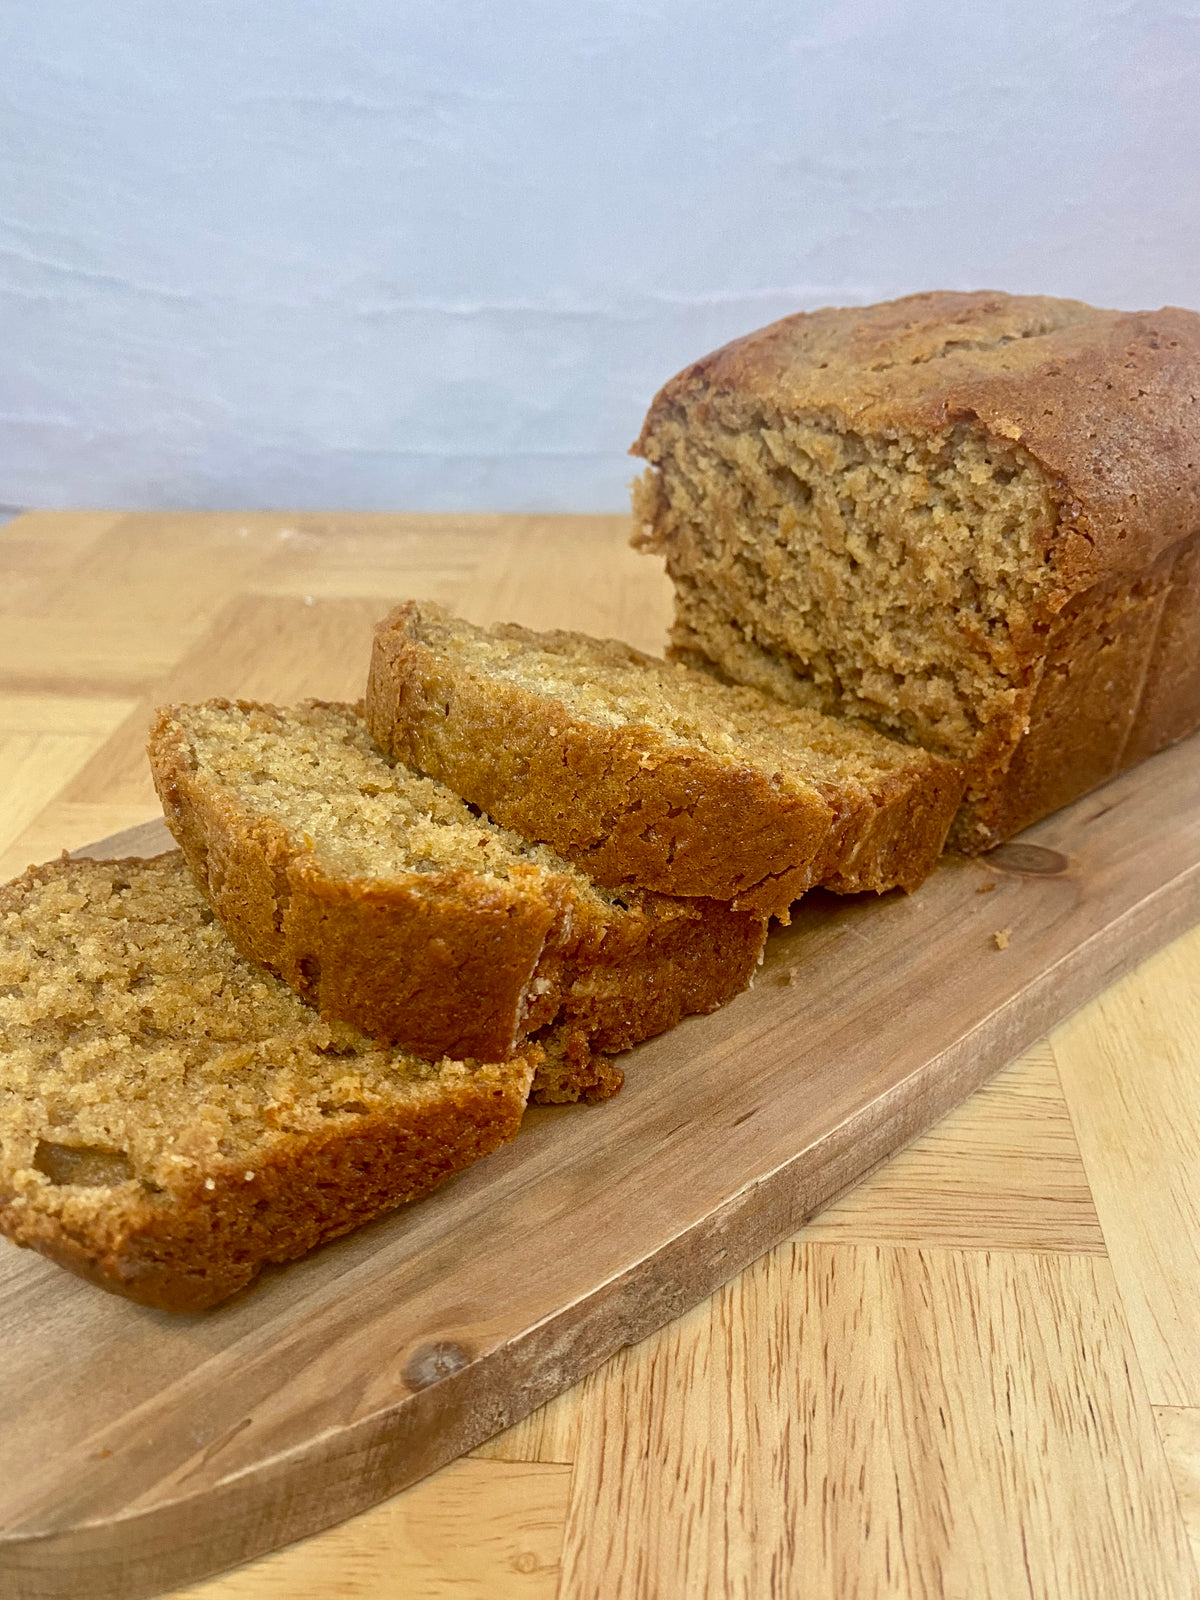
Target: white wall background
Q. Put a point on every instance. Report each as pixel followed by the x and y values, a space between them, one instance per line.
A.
pixel 439 254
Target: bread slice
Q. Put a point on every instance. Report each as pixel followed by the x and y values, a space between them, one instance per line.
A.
pixel 389 903
pixel 643 771
pixel 172 1118
pixel 972 519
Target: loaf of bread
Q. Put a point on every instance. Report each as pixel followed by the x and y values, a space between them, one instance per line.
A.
pixel 172 1118
pixel 389 903
pixel 971 519
pixel 645 772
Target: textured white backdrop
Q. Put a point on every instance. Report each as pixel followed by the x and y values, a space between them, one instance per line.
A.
pixel 433 254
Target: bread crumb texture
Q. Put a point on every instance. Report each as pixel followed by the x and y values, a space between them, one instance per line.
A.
pixel 888 512
pixel 387 901
pixel 889 578
pixel 156 1086
pixel 612 685
pixel 313 770
pixel 649 771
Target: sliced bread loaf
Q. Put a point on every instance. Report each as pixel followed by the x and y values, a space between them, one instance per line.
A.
pixel 647 772
pixel 971 519
pixel 388 902
pixel 172 1118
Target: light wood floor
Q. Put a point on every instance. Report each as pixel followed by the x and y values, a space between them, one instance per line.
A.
pixel 978 1375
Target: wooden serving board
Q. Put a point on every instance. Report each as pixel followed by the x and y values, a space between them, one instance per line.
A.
pixel 140 1451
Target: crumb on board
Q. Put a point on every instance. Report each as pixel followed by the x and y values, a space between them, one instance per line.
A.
pixel 786 977
pixel 986 888
pixel 1001 938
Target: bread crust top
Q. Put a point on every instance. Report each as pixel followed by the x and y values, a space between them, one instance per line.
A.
pixel 1107 402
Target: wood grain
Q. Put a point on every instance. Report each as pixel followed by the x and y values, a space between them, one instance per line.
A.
pixel 1001 1170
pixel 120 620
pixel 927 1425
pixel 1179 1428
pixel 479 1530
pixel 38 750
pixel 264 648
pixel 1139 1134
pixel 618 585
pixel 291 1409
pixel 115 610
pixel 66 825
pixel 551 1433
pixel 39 550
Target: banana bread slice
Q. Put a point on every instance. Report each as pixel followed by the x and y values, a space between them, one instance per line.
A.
pixel 172 1118
pixel 972 519
pixel 647 772
pixel 388 902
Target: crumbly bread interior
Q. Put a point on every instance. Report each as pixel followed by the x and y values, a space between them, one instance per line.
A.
pixel 378 896
pixel 139 1052
pixel 314 771
pixel 609 684
pixel 888 578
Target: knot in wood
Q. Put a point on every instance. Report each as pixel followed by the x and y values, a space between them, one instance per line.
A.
pixel 1031 860
pixel 430 1363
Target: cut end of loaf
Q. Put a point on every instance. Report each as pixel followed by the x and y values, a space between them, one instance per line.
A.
pixel 311 772
pixel 646 771
pixel 172 1118
pixel 377 893
pixel 890 512
pixel 895 580
pixel 387 900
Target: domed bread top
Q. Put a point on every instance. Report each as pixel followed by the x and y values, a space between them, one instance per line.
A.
pixel 970 519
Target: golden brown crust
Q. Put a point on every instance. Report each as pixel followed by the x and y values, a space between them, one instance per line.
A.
pixel 185 1236
pixel 1107 404
pixel 620 979
pixel 1120 680
pixel 628 805
pixel 1169 707
pixel 622 803
pixel 1107 401
pixel 190 1251
pixel 439 962
pixel 895 841
pixel 447 964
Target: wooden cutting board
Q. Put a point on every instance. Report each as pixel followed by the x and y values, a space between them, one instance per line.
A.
pixel 140 1451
